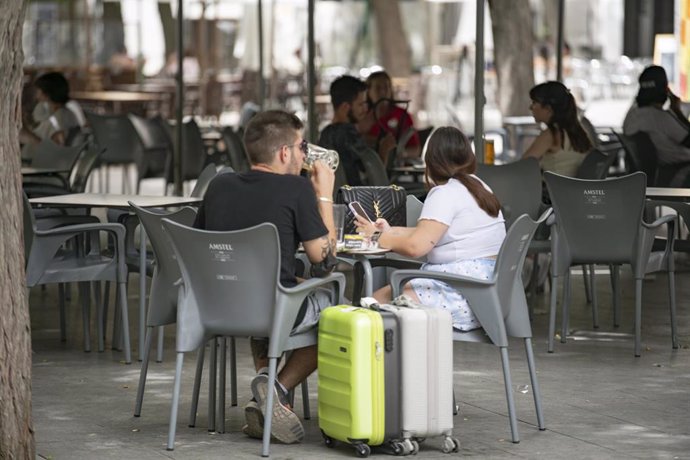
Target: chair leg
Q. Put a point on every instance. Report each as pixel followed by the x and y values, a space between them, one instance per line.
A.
pixel 63 324
pixel 672 306
pixel 509 395
pixel 638 317
pixel 86 313
pixel 100 322
pixel 197 386
pixel 586 280
pixel 595 302
pixel 220 423
pixel 565 307
pixel 161 337
pixel 268 415
pixel 144 371
pixel 233 373
pixel 305 400
pixel 536 393
pixel 552 313
pixel 106 302
pixel 125 322
pixel 175 401
pixel 212 365
pixel 456 409
pixel 616 295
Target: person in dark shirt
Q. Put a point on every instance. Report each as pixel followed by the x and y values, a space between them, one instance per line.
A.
pixel 302 210
pixel 349 99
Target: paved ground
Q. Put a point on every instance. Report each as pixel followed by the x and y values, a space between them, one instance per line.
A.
pixel 599 401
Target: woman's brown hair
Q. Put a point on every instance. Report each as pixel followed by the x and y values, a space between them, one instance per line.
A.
pixel 449 156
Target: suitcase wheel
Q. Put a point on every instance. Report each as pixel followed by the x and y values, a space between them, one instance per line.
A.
pixel 362 450
pixel 400 448
pixel 450 445
pixel 415 447
pixel 330 442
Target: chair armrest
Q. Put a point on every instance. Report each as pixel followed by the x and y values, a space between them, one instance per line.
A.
pixel 400 277
pixel 48 223
pixel 309 285
pixel 72 230
pixel 643 262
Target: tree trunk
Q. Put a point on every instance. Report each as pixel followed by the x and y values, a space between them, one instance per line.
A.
pixel 393 45
pixel 513 55
pixel 16 432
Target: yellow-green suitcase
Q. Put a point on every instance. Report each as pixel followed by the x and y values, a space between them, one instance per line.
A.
pixel 359 378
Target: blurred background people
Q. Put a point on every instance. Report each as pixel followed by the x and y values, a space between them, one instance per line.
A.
pixel 51 118
pixel 386 119
pixel 561 147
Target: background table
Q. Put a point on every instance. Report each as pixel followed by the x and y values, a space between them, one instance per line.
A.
pixel 668 193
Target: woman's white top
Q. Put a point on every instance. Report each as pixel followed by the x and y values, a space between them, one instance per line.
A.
pixel 472 233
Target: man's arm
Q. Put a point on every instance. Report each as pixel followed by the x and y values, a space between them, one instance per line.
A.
pixel 321 251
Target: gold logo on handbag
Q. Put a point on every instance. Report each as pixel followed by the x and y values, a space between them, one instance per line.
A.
pixel 377 210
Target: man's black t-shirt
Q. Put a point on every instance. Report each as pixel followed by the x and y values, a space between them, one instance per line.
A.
pixel 237 201
pixel 344 139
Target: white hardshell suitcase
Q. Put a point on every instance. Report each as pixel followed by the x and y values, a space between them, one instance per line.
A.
pixel 426 375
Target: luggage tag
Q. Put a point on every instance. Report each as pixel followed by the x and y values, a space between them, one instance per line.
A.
pixel 405 301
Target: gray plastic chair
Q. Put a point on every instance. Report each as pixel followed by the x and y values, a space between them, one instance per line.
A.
pixel 230 287
pixel 374 169
pixel 413 210
pixel 78 176
pixel 157 148
pixel 596 165
pixel 205 177
pixel 236 151
pixel 122 146
pixel 499 304
pixel 600 221
pixel 47 263
pixel 518 188
pixel 162 308
pixel 47 154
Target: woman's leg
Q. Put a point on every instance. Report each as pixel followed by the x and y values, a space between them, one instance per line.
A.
pixel 385 294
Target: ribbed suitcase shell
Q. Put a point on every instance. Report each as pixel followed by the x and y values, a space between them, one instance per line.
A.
pixel 427 371
pixel 359 375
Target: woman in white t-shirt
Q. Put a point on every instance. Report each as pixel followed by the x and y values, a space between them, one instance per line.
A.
pixel 460 229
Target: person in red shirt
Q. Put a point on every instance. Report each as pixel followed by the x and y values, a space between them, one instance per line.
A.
pixel 386 119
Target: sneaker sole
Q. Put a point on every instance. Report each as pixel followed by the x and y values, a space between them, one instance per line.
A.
pixel 255 422
pixel 285 426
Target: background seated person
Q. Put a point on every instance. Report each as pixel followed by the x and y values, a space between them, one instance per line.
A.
pixel 302 210
pixel 52 118
pixel 561 147
pixel 669 130
pixel 348 96
pixel 385 118
pixel 460 229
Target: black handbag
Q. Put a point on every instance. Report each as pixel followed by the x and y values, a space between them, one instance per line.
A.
pixel 387 202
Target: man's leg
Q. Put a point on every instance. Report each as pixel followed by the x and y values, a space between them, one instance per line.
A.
pixel 300 365
pixel 385 294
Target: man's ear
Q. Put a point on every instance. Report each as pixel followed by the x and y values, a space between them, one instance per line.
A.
pixel 284 154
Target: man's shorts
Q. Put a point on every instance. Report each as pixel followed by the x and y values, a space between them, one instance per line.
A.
pixel 311 308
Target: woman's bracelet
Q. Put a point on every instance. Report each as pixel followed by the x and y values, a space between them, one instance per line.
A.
pixel 325 199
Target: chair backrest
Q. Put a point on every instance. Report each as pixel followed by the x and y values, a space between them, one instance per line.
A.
pixel 516 185
pixel 86 162
pixel 413 209
pixel 203 180
pixel 156 143
pixel 116 134
pixel 193 152
pixel 374 170
pixel 230 282
pixel 48 154
pixel 508 275
pixel 641 154
pixel 597 221
pixel 236 151
pixel 163 297
pixel 595 165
